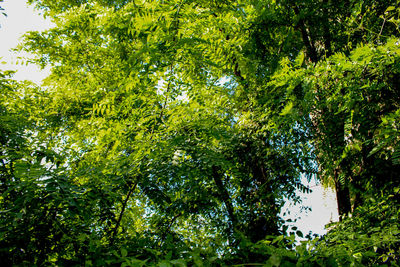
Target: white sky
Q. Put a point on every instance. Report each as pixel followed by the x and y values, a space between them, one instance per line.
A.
pixel 324 209
pixel 22 18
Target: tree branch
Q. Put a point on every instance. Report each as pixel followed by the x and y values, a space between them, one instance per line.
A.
pixel 224 195
pixel 133 187
pixel 327 33
pixel 311 51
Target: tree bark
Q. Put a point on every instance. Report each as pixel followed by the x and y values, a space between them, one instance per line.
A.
pixel 311 51
pixel 261 226
pixel 342 197
pixel 327 33
pixel 224 195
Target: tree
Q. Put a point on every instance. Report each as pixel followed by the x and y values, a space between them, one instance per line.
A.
pixel 174 131
pixel 316 30
pixel 155 108
pixel 346 122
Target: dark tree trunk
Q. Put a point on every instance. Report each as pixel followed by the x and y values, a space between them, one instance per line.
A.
pixel 224 195
pixel 342 197
pixel 309 44
pixel 327 33
pixel 261 226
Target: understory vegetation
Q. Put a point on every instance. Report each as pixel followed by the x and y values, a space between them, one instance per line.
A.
pixel 171 133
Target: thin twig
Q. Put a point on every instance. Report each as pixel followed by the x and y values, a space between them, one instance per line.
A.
pixel 383 24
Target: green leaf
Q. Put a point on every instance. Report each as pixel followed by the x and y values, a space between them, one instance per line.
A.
pixel 286 110
pixel 164 264
pixel 300 59
pixel 274 260
pixel 390 9
pixel 299 233
pixel 124 252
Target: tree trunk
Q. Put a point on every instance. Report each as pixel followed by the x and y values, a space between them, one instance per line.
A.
pixel 342 197
pixel 224 195
pixel 309 44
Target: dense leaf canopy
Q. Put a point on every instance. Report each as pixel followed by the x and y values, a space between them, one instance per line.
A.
pixel 171 133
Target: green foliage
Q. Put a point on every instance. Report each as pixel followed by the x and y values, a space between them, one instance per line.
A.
pixel 352 102
pixel 171 133
pixel 370 237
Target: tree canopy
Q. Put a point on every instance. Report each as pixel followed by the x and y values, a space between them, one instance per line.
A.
pixel 171 133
